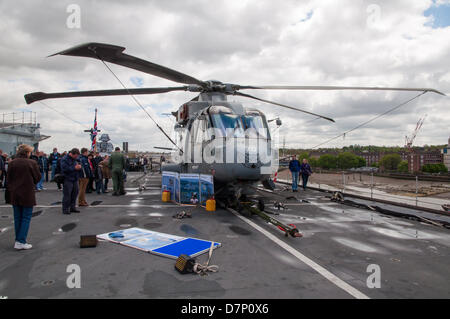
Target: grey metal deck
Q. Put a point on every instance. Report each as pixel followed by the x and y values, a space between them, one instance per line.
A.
pixel 413 257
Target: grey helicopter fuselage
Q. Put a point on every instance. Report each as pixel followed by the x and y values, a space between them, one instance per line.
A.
pixel 223 138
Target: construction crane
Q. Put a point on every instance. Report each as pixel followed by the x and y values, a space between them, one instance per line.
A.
pixel 410 139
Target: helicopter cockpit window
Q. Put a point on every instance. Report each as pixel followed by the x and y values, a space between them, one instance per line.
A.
pixel 201 133
pixel 226 122
pixel 255 122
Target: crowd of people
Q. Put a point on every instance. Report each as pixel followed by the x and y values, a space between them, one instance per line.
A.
pixel 75 173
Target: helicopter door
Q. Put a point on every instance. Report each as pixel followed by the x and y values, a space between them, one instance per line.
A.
pixel 199 135
pixel 202 135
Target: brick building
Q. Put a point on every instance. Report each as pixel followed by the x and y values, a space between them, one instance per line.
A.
pixel 446 155
pixel 375 157
pixel 417 159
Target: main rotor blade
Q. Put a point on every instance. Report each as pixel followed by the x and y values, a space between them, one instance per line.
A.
pixel 38 96
pixel 282 105
pixel 114 54
pixel 321 87
pixel 164 148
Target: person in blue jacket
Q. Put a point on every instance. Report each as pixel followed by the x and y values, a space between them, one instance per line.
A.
pixel 306 171
pixel 294 167
pixel 53 161
pixel 43 167
pixel 70 168
pixel 85 176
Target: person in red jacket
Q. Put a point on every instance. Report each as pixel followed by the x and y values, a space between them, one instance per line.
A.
pixel 23 175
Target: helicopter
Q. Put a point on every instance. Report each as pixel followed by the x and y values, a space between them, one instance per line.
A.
pixel 213 135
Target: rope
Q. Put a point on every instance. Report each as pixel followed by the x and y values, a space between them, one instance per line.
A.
pixel 136 100
pixel 79 123
pixel 373 119
pixel 71 119
pixel 203 269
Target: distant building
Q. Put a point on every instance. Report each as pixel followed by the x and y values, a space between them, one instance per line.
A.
pixel 446 155
pixel 417 159
pixel 371 158
pixel 319 153
pixel 19 128
pixel 375 157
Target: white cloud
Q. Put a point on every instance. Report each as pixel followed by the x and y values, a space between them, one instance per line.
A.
pixel 245 42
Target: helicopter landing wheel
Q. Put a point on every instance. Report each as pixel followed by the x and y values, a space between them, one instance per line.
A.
pixel 261 205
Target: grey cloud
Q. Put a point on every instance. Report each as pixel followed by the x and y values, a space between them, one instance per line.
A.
pixel 252 42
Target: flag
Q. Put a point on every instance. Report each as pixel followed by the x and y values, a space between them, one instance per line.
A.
pixel 94 133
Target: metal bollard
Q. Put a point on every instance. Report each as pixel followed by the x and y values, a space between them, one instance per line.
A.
pixel 371 186
pixel 417 188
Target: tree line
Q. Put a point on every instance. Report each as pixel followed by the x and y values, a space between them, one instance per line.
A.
pixel 347 160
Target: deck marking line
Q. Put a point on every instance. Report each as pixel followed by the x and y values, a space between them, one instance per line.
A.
pixel 325 273
pixel 104 206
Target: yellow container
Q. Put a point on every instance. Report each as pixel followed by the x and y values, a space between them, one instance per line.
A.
pixel 211 205
pixel 166 196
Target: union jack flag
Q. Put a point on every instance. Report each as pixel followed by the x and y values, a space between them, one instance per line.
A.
pixel 94 133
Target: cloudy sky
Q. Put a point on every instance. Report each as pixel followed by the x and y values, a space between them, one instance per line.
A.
pixel 360 43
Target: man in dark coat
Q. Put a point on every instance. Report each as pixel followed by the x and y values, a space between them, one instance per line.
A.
pixel 294 167
pixel 70 169
pixel 90 186
pixel 5 160
pixel 35 156
pixel 23 175
pixel 98 176
pixel 58 170
pixel 53 161
pixel 42 162
pixel 46 167
pixel 2 168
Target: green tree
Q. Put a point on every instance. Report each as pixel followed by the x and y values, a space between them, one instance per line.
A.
pixel 303 155
pixel 314 162
pixel 347 160
pixel 403 167
pixel 434 168
pixel 391 161
pixel 361 161
pixel 327 161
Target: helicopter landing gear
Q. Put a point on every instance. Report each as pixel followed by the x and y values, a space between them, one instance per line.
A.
pixel 249 208
pixel 289 229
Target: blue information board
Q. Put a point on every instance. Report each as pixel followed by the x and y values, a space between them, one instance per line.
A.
pixel 206 188
pixel 189 189
pixel 189 246
pixel 170 182
pixel 161 244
